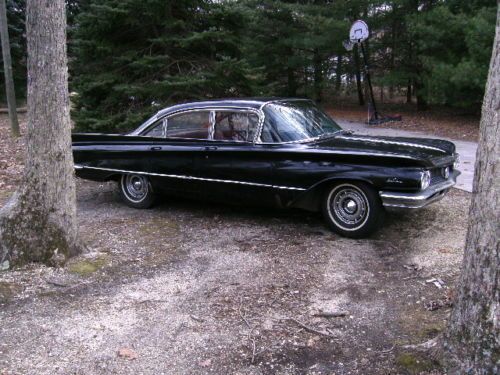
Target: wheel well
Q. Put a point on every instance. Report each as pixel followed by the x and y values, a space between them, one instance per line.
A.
pixel 114 177
pixel 311 199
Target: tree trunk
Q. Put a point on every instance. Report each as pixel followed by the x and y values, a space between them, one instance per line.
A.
pixel 39 221
pixel 472 341
pixel 318 76
pixel 338 74
pixel 7 68
pixel 291 75
pixel 419 94
pixel 361 98
pixel 408 92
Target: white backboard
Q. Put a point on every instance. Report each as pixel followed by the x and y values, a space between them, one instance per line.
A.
pixel 359 31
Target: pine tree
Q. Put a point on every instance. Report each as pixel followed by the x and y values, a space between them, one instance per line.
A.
pixel 130 58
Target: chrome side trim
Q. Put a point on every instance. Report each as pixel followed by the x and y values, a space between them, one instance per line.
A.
pixel 80 167
pixel 393 143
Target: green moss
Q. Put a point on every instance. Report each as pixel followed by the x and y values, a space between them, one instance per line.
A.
pixel 5 194
pixel 430 331
pixel 86 267
pixel 413 364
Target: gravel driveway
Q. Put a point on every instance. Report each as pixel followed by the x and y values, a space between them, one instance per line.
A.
pixel 196 288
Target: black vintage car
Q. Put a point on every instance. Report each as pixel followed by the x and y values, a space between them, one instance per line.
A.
pixel 285 152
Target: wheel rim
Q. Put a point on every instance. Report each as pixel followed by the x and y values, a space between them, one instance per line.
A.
pixel 135 187
pixel 348 207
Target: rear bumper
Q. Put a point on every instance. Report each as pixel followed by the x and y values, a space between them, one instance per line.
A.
pixel 421 199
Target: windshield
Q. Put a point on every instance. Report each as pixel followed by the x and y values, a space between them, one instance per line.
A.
pixel 295 121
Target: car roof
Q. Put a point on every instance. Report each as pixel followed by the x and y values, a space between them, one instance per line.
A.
pixel 254 103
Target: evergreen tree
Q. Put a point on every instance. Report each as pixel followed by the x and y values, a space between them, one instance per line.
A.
pixel 130 58
pixel 454 49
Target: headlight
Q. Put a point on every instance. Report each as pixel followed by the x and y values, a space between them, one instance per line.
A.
pixel 446 173
pixel 425 180
pixel 457 161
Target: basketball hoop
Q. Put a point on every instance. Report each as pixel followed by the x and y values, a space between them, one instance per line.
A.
pixel 359 32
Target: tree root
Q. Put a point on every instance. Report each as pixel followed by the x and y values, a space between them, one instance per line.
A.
pixel 31 233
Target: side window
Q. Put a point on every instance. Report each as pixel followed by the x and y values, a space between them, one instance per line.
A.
pixel 156 130
pixel 189 125
pixel 270 132
pixel 235 126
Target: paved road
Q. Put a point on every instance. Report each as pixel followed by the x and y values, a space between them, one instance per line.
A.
pixel 467 150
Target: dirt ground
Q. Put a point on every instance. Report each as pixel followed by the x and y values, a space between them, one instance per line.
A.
pixel 198 288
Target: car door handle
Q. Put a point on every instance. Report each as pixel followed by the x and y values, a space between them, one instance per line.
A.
pixel 210 148
pixel 155 148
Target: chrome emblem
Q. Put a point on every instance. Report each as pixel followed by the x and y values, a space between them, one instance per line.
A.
pixel 394 180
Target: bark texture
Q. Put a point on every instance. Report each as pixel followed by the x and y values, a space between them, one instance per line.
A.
pixel 39 221
pixel 472 340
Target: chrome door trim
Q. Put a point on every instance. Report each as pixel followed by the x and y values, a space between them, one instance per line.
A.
pixel 184 177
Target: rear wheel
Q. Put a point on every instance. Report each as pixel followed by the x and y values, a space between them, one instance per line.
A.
pixel 136 191
pixel 353 209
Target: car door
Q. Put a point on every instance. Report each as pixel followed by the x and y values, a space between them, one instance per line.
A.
pixel 232 166
pixel 177 145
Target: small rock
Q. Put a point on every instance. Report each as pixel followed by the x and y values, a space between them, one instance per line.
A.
pixel 5 266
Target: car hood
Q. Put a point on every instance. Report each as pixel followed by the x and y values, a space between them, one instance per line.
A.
pixel 431 152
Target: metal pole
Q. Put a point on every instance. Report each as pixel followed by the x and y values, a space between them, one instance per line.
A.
pixel 367 70
pixel 7 67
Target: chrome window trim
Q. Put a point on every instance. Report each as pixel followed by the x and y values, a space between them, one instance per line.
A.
pixel 179 113
pixel 184 177
pixel 257 112
pixel 165 124
pixel 211 111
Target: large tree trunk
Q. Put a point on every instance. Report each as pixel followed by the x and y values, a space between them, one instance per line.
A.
pixel 472 340
pixel 7 67
pixel 39 222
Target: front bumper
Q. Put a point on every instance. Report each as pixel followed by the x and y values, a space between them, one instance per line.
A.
pixel 421 199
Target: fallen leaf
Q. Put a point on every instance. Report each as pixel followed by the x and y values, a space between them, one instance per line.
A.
pixel 127 353
pixel 206 363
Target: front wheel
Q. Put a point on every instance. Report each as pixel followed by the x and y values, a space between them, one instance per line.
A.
pixel 353 209
pixel 136 191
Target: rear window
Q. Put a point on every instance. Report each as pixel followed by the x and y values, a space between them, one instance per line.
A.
pixel 194 125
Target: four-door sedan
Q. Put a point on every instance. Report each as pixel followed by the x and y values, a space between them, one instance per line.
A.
pixel 284 152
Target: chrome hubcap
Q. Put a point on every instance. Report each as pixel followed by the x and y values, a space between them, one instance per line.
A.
pixel 135 187
pixel 350 206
